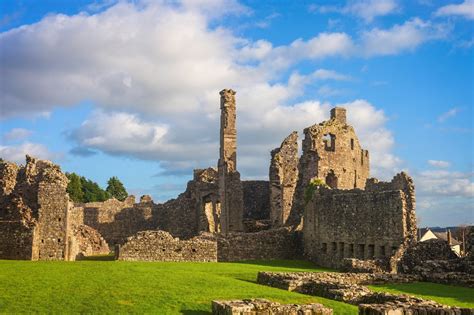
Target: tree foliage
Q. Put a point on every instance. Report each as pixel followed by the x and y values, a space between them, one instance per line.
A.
pixel 81 189
pixel 116 189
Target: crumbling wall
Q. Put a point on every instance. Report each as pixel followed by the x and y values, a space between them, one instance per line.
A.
pixel 332 153
pixel 161 246
pixel 283 176
pixel 369 224
pixel 34 209
pixel 87 241
pixel 281 243
pixel 116 220
pixel 16 240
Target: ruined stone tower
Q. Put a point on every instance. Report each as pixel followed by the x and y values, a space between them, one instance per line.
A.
pixel 283 178
pixel 230 186
pixel 332 153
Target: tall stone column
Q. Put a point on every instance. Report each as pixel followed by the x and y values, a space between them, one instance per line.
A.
pixel 230 186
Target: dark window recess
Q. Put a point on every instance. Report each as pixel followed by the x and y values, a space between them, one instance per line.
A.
pixel 352 144
pixel 324 247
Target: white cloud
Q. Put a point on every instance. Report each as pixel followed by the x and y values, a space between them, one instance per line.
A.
pixel 182 146
pixel 154 71
pixel 364 9
pixel 324 74
pixel 17 134
pixel 445 183
pixel 400 37
pixel 464 9
pixel 370 9
pixel 438 163
pixel 17 153
pixel 450 113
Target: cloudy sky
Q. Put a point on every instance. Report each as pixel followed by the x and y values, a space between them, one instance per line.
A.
pixel 130 88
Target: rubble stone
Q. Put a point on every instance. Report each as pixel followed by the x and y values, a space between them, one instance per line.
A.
pixel 264 307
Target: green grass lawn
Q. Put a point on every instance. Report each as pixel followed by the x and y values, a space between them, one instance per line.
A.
pixel 159 288
pixel 444 294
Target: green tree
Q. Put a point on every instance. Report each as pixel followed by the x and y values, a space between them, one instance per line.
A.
pixel 116 189
pixel 92 191
pixel 74 188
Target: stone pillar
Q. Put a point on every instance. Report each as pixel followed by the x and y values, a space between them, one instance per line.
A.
pixel 230 186
pixel 283 178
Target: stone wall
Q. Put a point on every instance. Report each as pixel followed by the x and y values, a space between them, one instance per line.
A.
pixel 116 220
pixel 256 194
pixel 350 288
pixel 161 246
pixel 369 224
pixel 283 176
pixel 282 243
pixel 16 240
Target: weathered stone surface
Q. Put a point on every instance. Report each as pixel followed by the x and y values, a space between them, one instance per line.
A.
pixel 161 246
pixel 331 152
pixel 420 252
pixel 282 243
pixel 34 211
pixel 283 178
pixel 87 242
pixel 256 199
pixel 265 307
pixel 230 186
pixel 363 224
pixel 404 308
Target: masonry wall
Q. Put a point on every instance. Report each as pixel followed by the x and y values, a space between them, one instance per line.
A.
pixel 116 220
pixel 282 243
pixel 256 199
pixel 161 246
pixel 359 224
pixel 16 240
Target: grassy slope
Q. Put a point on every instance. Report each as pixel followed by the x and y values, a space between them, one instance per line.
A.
pixel 444 294
pixel 164 288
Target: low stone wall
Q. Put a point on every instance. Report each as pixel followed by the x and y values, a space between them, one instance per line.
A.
pixel 161 246
pixel 371 266
pixel 265 307
pixel 282 243
pixel 349 288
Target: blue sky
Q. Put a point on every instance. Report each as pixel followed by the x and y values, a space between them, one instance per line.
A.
pixel 130 89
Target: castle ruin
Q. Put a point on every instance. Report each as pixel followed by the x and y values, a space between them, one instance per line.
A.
pixel 354 218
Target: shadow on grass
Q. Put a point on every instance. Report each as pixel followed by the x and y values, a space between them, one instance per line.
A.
pixel 109 257
pixel 461 294
pixel 194 312
pixel 293 264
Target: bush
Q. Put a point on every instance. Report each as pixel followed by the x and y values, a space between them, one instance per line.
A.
pixel 311 188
